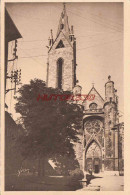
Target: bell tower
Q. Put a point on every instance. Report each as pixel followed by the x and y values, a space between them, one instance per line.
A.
pixel 111 133
pixel 61 65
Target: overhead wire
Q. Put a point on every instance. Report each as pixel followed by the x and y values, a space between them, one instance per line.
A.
pixel 79 36
pixel 32 57
pixel 43 40
pixel 104 18
pixel 97 22
pixel 100 44
pixel 77 49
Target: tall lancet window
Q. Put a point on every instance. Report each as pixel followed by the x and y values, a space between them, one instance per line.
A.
pixel 59 72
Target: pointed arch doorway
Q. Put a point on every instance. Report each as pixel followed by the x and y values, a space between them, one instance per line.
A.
pixel 93 158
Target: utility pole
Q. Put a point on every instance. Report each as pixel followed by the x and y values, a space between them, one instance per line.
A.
pixel 15 78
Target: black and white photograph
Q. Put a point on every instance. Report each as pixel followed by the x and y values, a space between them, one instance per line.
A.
pixel 64 96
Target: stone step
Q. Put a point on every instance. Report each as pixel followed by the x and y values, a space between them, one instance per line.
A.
pixel 91 188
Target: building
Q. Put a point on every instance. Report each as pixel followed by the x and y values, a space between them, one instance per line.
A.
pixel 101 148
pixel 12 130
pixel 101 138
pixel 11 36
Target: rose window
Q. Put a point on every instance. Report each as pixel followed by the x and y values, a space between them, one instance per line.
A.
pixel 93 126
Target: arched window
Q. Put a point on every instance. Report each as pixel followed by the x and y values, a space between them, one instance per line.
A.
pixel 93 126
pixel 59 72
pixel 93 106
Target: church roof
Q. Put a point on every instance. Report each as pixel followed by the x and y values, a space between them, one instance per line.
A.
pixel 93 89
pixel 98 100
pixel 11 31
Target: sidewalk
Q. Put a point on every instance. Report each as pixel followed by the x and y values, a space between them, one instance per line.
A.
pixel 105 183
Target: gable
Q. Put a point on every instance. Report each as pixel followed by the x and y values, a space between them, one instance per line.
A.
pixel 98 101
pixel 64 39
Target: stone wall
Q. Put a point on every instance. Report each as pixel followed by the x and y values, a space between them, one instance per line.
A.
pixel 66 53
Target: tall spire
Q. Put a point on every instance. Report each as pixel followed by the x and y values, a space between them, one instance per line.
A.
pixel 63 23
pixel 93 84
pixel 64 7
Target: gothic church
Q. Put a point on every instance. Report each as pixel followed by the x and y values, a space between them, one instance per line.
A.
pixel 102 138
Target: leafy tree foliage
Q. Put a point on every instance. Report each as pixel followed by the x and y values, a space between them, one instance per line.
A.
pixel 51 127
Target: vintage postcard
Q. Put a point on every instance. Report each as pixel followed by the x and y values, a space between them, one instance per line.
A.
pixel 62 93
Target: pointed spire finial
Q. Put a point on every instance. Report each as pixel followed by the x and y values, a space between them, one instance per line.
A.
pixel 93 84
pixel 50 39
pixel 64 6
pixel 109 77
pixel 72 29
pixel 64 10
pixel 63 22
pixel 51 34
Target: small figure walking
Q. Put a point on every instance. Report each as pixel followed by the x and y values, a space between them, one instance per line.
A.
pixel 90 171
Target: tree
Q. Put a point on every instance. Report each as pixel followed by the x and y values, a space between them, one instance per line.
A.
pixel 51 126
pixel 12 132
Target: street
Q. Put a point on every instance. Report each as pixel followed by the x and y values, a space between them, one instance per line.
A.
pixel 105 183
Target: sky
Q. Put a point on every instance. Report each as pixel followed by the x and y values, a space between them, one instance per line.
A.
pixel 98 28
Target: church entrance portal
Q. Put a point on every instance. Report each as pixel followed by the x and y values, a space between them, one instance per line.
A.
pixel 93 158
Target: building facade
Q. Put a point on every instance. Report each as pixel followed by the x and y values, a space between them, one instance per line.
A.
pixel 11 36
pixel 101 146
pixel 12 130
pixel 101 132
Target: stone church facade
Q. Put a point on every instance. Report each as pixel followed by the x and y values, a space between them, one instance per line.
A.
pixel 102 134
